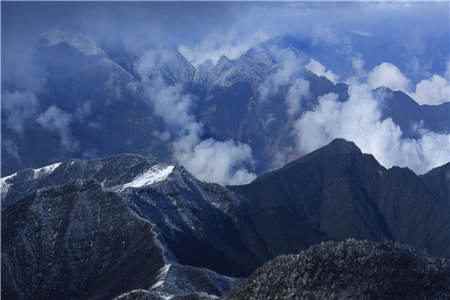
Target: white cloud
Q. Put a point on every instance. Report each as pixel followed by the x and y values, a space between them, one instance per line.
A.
pixel 221 162
pixel 320 70
pixel 433 91
pixel 359 120
pixel 297 92
pixel 55 119
pixel 18 107
pixel 388 75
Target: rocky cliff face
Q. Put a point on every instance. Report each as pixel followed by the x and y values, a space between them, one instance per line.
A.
pixel 350 270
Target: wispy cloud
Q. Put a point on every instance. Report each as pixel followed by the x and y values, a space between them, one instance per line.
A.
pixel 17 108
pixel 57 120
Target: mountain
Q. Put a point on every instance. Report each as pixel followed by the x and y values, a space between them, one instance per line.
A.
pixel 129 226
pixel 92 217
pixel 337 192
pixel 350 270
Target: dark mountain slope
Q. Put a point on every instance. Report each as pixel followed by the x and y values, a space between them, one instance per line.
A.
pixel 438 181
pixel 194 220
pixel 350 270
pixel 338 192
pixel 75 242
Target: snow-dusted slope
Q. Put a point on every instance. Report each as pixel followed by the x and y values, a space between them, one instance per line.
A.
pixel 44 171
pixel 251 67
pixel 110 172
pixel 151 176
pixel 168 64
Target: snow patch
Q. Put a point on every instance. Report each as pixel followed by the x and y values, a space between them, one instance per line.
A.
pixel 38 173
pixel 153 175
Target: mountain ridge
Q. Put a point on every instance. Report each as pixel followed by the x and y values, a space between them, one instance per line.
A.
pixel 334 193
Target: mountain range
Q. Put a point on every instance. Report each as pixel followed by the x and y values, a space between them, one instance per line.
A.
pixel 132 227
pixel 93 94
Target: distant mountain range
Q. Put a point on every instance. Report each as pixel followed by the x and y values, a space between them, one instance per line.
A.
pixel 134 228
pixel 98 91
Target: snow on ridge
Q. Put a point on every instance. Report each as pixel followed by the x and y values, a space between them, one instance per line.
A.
pixel 38 173
pixel 4 186
pixel 161 276
pixel 153 175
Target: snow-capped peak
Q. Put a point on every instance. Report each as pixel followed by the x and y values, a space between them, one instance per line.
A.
pixel 153 175
pixel 78 41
